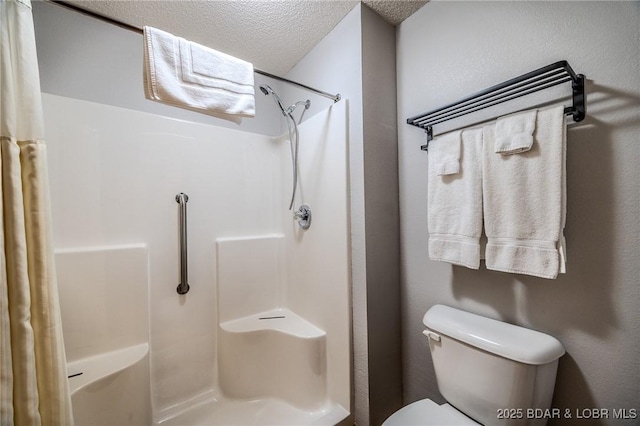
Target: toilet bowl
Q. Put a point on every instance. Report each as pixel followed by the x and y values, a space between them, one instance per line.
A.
pixel 484 367
pixel 426 412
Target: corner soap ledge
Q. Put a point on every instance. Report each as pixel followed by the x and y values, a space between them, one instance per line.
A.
pixel 281 320
pixel 89 370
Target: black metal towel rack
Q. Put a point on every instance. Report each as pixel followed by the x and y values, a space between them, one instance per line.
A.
pixel 534 81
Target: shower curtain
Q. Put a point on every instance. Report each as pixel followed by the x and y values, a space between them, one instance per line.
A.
pixel 33 382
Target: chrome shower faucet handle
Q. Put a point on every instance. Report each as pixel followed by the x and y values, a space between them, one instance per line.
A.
pixel 303 216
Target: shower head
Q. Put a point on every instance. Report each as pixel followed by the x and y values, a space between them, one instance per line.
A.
pixel 291 122
pixel 267 90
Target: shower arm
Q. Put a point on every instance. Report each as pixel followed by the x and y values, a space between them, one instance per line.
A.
pixel 292 108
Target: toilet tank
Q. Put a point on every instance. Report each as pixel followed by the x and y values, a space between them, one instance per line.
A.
pixel 494 372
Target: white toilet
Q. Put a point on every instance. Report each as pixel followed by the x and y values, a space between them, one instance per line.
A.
pixel 490 372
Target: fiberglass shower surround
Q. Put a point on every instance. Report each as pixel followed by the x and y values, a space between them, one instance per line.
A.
pixel 294 136
pixel 271 294
pixel 178 352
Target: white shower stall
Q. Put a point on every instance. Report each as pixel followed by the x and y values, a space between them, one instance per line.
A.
pixel 263 335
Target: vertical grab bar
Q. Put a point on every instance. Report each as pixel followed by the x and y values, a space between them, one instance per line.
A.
pixel 183 287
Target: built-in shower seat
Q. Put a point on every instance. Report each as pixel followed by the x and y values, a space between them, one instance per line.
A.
pixel 274 354
pixel 265 350
pixel 281 320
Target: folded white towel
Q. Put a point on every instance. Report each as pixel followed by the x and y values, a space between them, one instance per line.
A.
pixel 181 73
pixel 446 159
pixel 524 201
pixel 514 133
pixel 455 203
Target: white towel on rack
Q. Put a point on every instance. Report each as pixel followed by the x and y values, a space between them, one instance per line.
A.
pixel 455 202
pixel 525 201
pixel 446 158
pixel 514 133
pixel 181 73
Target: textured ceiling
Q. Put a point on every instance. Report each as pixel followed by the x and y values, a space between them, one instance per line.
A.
pixel 272 34
pixel 394 12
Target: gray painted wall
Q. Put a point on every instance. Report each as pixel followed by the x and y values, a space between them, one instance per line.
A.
pixel 451 49
pixel 381 215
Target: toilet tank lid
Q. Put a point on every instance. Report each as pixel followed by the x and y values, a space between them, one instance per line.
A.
pixel 500 338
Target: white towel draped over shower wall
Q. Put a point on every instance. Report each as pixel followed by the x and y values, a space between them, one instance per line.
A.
pixel 188 75
pixel 33 382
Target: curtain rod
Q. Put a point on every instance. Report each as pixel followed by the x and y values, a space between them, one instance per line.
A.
pixel 138 30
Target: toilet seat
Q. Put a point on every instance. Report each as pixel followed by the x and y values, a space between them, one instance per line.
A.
pixel 426 412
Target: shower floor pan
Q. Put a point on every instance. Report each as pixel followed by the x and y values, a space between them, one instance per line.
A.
pixel 256 412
